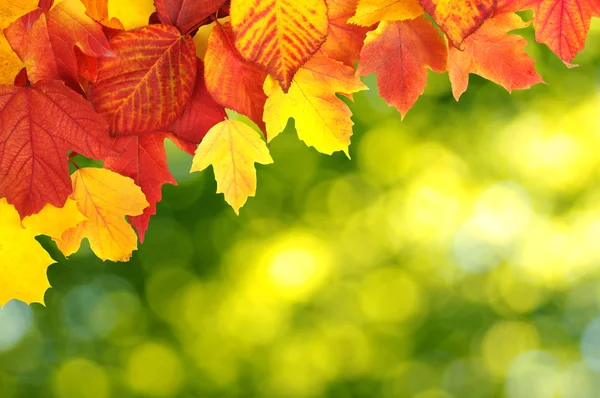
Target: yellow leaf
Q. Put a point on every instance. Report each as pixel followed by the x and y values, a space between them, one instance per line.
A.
pixel 10 64
pixel 232 148
pixel 131 13
pixel 279 35
pixel 322 119
pixel 369 12
pixel 23 261
pixel 105 198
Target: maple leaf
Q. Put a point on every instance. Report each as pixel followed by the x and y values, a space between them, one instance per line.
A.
pixel 495 55
pixel 231 80
pixel 145 87
pixel 459 18
pixel 105 198
pixel 200 114
pixel 322 119
pixel 370 12
pixel 186 14
pixel 232 148
pixel 279 35
pixel 46 42
pixel 23 261
pixel 344 40
pixel 143 159
pixel 10 63
pixel 38 126
pixel 400 52
pixel 562 25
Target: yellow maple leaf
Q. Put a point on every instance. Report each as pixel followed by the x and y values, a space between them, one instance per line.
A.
pixel 105 198
pixel 232 148
pixel 370 12
pixel 23 261
pixel 322 119
pixel 10 64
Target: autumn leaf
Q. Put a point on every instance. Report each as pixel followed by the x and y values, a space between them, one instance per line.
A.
pixel 459 18
pixel 46 42
pixel 38 126
pixel 143 159
pixel 105 198
pixel 200 114
pixel 10 63
pixel 132 14
pixel 322 119
pixel 279 35
pixel 370 12
pixel 344 40
pixel 495 55
pixel 98 11
pixel 186 14
pixel 232 148
pixel 231 80
pixel 562 25
pixel 400 53
pixel 23 261
pixel 145 87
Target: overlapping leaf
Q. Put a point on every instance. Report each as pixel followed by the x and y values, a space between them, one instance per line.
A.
pixel 279 35
pixel 322 119
pixel 232 148
pixel 38 126
pixel 369 12
pixel 105 198
pixel 145 87
pixel 10 64
pixel 186 14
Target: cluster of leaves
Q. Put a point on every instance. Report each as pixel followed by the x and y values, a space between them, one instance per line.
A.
pixel 75 81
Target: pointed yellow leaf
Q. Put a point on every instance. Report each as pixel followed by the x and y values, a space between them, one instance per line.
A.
pixel 23 261
pixel 105 198
pixel 322 119
pixel 10 64
pixel 232 148
pixel 370 12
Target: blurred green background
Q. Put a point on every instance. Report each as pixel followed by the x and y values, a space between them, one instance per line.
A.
pixel 456 255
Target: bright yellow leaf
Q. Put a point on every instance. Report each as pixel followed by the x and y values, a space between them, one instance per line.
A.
pixel 131 13
pixel 279 35
pixel 232 148
pixel 370 12
pixel 322 119
pixel 10 64
pixel 105 198
pixel 23 261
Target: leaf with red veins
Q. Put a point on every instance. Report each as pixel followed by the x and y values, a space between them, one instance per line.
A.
pixel 149 82
pixel 186 14
pixel 143 158
pixel 231 80
pixel 400 52
pixel 38 126
pixel 46 42
pixel 200 114
pixel 344 40
pixel 495 55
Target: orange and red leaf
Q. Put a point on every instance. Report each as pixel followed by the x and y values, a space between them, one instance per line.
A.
pixel 186 14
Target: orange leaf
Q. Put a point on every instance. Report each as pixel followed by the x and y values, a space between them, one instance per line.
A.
pixel 344 40
pixel 98 11
pixel 279 35
pixel 185 14
pixel 400 53
pixel 369 12
pixel 459 18
pixel 145 87
pixel 233 82
pixel 495 55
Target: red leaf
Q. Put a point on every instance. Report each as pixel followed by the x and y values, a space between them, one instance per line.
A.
pixel 231 80
pixel 143 158
pixel 145 87
pixel 46 42
pixel 199 115
pixel 38 126
pixel 186 14
pixel 400 52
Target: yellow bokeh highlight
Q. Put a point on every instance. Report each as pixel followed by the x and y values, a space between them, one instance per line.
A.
pixel 504 341
pixel 81 378
pixel 154 369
